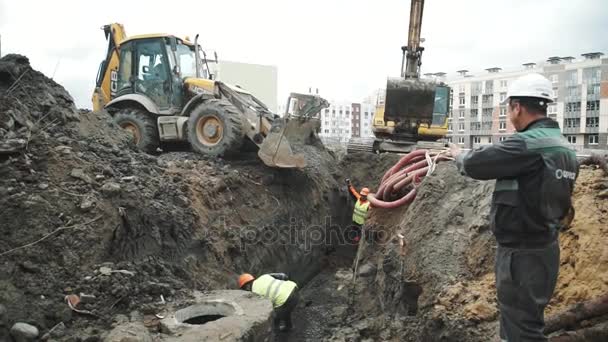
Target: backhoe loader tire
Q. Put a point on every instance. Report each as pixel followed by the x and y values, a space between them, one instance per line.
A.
pixel 215 128
pixel 142 125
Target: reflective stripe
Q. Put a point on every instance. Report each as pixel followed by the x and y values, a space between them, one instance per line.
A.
pixel 360 212
pixel 506 185
pixel 276 290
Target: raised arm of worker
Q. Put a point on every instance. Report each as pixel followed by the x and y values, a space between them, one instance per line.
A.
pixel 352 189
pixel 506 159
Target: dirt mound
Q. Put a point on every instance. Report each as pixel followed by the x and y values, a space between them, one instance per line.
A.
pixel 441 285
pixel 84 211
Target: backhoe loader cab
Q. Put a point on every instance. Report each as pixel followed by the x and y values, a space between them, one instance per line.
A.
pixel 158 87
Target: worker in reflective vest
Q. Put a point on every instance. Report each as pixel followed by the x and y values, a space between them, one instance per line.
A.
pixel 360 211
pixel 282 292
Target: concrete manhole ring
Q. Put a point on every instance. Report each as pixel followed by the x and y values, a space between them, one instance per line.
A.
pixel 207 311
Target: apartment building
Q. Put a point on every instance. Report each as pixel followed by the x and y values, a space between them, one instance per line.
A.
pixel 580 89
pixel 343 120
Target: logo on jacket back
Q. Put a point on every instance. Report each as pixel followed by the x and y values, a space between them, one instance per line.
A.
pixel 559 174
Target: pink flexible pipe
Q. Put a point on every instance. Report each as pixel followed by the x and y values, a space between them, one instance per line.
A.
pixel 413 166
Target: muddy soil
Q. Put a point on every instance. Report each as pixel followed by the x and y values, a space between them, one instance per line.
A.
pixel 441 286
pixel 85 212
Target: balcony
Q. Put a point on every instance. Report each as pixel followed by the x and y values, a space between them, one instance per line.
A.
pixel 571 130
pixel 592 129
pixel 593 113
pixel 592 80
pixel 572 115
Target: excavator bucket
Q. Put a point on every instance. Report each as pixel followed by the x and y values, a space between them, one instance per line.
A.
pixel 413 99
pixel 300 126
pixel 275 150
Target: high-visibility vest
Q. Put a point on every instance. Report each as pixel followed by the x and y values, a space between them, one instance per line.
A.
pixel 360 212
pixel 274 289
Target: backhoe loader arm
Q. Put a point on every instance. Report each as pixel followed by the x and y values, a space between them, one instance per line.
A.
pixel 413 50
pixel 108 69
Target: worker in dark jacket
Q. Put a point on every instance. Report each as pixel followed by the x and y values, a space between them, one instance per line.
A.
pixel 535 169
pixel 360 211
pixel 282 292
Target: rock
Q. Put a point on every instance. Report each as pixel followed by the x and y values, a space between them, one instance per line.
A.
pixel 87 204
pixel 23 332
pixel 603 194
pixel 105 271
pixel 107 171
pixel 367 270
pixel 128 179
pixel 129 332
pixel 57 331
pixel 111 188
pixel 29 267
pixel 79 174
pixel 43 186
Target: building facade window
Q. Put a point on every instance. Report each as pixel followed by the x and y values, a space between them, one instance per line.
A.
pixel 461 140
pixel 503 111
pixel 573 107
pixel 572 139
pixel 593 105
pixel 476 140
pixel 594 139
pixel 461 100
pixel 502 125
pixel 554 78
pixel 474 113
pixel 487 111
pixel 461 127
pixel 504 83
pixel 474 100
pixel 501 139
pixel 593 122
pixel 461 114
pixel 450 126
pixel 572 122
pixel 503 96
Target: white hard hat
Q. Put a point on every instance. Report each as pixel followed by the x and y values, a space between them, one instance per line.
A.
pixel 531 85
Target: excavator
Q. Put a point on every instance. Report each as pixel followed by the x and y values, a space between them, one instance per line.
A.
pixel 159 88
pixel 414 114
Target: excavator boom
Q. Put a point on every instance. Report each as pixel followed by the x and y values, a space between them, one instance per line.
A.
pixel 107 76
pixel 413 48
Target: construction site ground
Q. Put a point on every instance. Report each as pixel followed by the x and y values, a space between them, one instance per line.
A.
pixel 134 235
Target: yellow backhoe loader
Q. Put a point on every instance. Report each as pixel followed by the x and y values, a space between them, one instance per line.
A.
pixel 158 87
pixel 415 111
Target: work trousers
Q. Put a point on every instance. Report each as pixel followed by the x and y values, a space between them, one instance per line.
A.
pixel 283 312
pixel 525 281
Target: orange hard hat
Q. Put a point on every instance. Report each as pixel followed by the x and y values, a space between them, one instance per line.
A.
pixel 244 279
pixel 364 192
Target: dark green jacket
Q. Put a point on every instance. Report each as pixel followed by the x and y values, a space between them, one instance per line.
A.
pixel 535 170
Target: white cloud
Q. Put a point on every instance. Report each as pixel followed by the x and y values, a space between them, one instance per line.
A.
pixel 345 48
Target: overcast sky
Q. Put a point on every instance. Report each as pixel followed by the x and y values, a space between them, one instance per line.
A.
pixel 346 48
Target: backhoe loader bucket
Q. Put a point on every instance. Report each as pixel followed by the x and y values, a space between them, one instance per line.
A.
pixel 409 98
pixel 275 150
